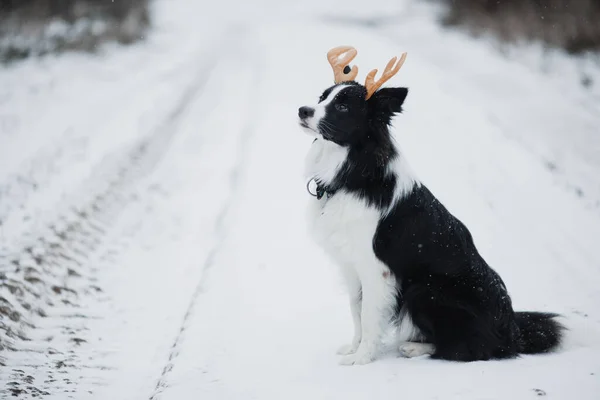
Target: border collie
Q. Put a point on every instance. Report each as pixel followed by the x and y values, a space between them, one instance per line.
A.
pixel 406 260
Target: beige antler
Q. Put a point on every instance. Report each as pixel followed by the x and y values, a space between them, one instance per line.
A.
pixel 388 73
pixel 338 63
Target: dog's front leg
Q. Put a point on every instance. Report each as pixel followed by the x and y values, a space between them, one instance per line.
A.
pixel 355 291
pixel 378 298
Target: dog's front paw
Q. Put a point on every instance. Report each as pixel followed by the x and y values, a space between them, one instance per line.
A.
pixel 358 358
pixel 348 349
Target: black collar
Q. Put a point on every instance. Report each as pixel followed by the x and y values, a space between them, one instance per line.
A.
pixel 321 190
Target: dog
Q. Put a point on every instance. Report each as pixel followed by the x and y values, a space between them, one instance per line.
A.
pixel 406 260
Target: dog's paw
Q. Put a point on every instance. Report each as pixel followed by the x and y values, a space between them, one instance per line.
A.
pixel 358 358
pixel 348 349
pixel 412 349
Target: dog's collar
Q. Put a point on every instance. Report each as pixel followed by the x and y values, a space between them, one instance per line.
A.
pixel 320 191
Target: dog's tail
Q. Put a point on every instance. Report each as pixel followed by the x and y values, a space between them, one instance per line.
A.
pixel 538 332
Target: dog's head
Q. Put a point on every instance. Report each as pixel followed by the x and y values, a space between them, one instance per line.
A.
pixel 349 113
pixel 346 117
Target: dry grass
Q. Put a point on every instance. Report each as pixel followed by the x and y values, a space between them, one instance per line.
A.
pixel 573 25
pixel 37 27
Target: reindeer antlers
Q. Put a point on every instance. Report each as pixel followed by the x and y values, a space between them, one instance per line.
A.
pixel 388 73
pixel 340 64
pixel 340 57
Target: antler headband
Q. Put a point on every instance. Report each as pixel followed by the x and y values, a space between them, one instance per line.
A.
pixel 340 58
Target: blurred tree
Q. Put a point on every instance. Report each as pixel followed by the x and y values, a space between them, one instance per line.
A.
pixel 25 25
pixel 6 5
pixel 571 24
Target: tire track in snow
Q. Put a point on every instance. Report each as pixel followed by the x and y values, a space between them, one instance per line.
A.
pixel 40 274
pixel 39 176
pixel 221 225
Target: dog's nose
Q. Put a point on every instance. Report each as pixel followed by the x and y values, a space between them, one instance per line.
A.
pixel 306 112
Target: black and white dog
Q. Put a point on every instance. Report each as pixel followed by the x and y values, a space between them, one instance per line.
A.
pixel 406 260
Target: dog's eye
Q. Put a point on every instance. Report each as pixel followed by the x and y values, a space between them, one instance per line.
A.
pixel 321 99
pixel 341 107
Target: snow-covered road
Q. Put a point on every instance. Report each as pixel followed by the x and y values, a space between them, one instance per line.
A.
pixel 152 235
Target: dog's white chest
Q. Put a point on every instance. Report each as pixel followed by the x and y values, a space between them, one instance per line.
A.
pixel 344 226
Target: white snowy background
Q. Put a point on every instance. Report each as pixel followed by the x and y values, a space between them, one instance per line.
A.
pixel 152 236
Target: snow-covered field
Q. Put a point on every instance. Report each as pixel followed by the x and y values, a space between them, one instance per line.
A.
pixel 152 234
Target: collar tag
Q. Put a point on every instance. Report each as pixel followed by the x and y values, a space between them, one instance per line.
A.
pixel 321 192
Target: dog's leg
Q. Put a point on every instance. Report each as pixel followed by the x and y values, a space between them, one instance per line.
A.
pixel 354 287
pixel 378 299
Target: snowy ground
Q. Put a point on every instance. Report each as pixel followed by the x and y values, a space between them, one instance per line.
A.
pixel 152 240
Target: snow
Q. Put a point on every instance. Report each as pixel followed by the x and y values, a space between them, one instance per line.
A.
pixel 192 275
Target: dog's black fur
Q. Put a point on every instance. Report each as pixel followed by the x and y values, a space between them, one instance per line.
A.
pixel 454 298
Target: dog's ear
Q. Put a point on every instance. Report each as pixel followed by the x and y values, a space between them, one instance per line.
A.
pixel 388 100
